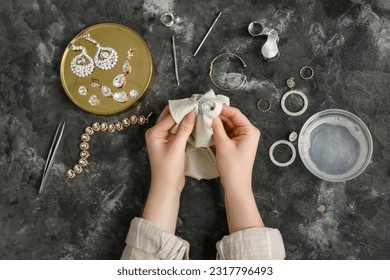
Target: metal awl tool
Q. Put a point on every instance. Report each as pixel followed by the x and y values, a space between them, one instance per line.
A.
pixel 207 34
pixel 175 60
pixel 52 152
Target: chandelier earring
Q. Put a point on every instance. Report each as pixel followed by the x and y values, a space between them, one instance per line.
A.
pixel 82 64
pixel 105 57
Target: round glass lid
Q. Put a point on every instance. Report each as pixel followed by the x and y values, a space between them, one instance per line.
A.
pixel 335 145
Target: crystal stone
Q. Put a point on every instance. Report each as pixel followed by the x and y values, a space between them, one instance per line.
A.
pixel 106 91
pixel 104 54
pixel 119 81
pixel 126 67
pixel 94 100
pixel 120 96
pixel 204 106
pixel 82 90
pixel 134 93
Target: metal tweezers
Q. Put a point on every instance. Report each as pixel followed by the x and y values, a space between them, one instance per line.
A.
pixel 52 152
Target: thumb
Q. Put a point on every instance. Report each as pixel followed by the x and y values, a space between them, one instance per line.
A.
pixel 219 131
pixel 185 128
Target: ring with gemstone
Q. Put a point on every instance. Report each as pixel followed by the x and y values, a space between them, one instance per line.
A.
pixel 168 19
pixel 205 106
pixel 255 28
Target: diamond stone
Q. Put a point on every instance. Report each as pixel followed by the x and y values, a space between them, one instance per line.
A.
pixel 204 106
pixel 104 54
pixel 119 81
pixel 82 90
pixel 106 91
pixel 94 100
pixel 134 93
pixel 120 96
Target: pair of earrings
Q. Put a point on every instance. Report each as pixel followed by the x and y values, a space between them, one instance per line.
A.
pixel 82 65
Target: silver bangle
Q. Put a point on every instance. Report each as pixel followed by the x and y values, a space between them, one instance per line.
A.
pixel 297 92
pixel 244 78
pixel 293 151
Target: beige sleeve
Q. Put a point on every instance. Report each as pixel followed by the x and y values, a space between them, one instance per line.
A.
pixel 148 241
pixel 259 243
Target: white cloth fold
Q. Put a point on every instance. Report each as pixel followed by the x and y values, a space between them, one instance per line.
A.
pixel 200 149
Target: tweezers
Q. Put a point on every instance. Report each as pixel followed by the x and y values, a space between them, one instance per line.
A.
pixel 52 152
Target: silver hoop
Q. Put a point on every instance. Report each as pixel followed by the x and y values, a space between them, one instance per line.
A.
pixel 254 30
pixel 211 72
pixel 168 19
pixel 293 151
pixel 297 92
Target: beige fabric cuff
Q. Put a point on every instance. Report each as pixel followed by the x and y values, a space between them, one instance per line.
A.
pixel 259 243
pixel 148 241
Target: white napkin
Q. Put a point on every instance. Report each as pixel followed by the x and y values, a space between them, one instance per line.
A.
pixel 200 149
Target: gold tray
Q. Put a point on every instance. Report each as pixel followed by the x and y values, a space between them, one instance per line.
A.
pixel 121 38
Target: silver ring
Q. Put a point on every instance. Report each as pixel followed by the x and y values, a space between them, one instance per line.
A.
pixel 205 106
pixel 167 19
pixel 293 151
pixel 255 28
pixel 297 92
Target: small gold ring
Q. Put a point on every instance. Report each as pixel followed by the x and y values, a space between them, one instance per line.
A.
pixel 306 68
pixel 262 100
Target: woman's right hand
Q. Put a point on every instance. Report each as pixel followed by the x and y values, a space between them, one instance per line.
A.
pixel 236 141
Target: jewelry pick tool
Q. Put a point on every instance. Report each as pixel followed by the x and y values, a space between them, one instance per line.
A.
pixel 207 34
pixel 175 60
pixel 52 152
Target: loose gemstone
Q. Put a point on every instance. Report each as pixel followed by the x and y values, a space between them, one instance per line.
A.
pixel 103 126
pixel 84 154
pixel 126 122
pixel 94 100
pixel 134 93
pixel 119 81
pixel 96 126
pixel 95 84
pixel 82 90
pixel 89 130
pixel 85 137
pixel 106 91
pixel 120 96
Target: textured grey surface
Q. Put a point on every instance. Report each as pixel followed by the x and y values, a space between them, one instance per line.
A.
pixel 348 44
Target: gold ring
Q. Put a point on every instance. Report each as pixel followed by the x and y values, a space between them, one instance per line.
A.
pixel 258 104
pixel 306 68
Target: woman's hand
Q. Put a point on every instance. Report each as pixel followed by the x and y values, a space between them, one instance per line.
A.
pixel 236 141
pixel 167 162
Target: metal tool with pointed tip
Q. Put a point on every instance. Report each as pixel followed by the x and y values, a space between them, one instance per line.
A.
pixel 52 152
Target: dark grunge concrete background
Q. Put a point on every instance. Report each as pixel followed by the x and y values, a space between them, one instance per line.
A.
pixel 346 41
